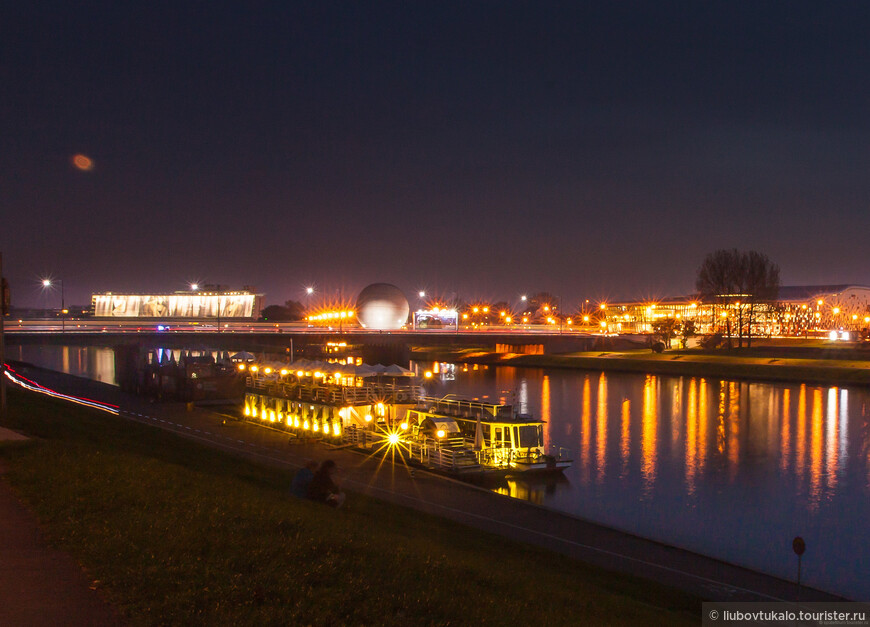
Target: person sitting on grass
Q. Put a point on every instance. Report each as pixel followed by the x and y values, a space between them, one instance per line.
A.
pixel 323 487
pixel 302 479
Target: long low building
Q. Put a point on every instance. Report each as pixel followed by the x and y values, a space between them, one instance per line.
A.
pixel 797 310
pixel 217 303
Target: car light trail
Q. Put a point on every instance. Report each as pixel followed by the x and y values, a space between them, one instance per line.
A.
pixel 33 386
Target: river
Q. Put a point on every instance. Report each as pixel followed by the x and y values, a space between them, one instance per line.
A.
pixel 730 469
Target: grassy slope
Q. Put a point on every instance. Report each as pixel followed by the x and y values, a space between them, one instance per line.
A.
pixel 181 534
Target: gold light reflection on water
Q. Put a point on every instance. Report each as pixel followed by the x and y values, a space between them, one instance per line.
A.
pixel 649 427
pixel 64 357
pixel 831 438
pixel 816 448
pixel 843 435
pixel 702 424
pixel 625 436
pixel 785 430
pixel 585 425
pixel 734 425
pixel 691 437
pixel 800 444
pixel 601 427
pixel 720 420
pixel 545 410
pixel 522 491
pixel 676 407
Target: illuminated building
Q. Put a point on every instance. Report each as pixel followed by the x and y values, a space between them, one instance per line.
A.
pixel 797 311
pixel 206 302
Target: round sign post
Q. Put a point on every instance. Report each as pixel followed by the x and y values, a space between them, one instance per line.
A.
pixel 799 546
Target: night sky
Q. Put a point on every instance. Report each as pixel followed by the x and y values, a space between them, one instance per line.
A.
pixel 486 149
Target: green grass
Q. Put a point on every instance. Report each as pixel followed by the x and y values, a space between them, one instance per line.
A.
pixel 180 534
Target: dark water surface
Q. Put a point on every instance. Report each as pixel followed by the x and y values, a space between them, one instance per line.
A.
pixel 730 469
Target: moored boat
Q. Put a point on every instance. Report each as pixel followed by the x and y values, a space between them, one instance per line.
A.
pixel 338 402
pixel 502 439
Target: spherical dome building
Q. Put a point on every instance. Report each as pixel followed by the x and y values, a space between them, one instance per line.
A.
pixel 382 307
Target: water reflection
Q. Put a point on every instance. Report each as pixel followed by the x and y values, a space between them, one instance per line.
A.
pixel 729 469
pixel 649 426
pixel 601 427
pixel 92 362
pixel 625 439
pixel 535 491
pixel 709 464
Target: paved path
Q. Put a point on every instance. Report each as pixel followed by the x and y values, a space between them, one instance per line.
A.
pixel 519 520
pixel 40 585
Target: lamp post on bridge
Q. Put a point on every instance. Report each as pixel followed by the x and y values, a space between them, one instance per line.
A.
pixel 47 283
pixel 308 292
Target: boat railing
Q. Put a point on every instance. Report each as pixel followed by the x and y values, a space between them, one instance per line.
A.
pixel 442 457
pixel 494 456
pixel 336 394
pixel 466 408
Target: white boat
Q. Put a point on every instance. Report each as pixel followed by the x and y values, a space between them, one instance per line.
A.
pixel 501 438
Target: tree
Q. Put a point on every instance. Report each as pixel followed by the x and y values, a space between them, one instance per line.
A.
pixel 666 329
pixel 275 313
pixel 740 281
pixel 295 310
pixel 542 306
pixel 760 284
pixel 687 330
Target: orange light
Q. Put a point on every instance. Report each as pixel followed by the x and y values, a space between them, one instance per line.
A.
pixel 83 163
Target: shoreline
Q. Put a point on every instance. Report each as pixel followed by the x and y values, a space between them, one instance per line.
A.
pixel 775 366
pixel 577 537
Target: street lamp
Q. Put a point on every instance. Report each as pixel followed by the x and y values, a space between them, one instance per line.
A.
pixel 422 295
pixel 308 292
pixel 46 283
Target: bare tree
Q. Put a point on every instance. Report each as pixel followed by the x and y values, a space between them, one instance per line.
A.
pixel 729 277
pixel 760 285
pixel 717 281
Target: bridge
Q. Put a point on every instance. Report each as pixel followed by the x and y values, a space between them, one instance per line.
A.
pixel 392 346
